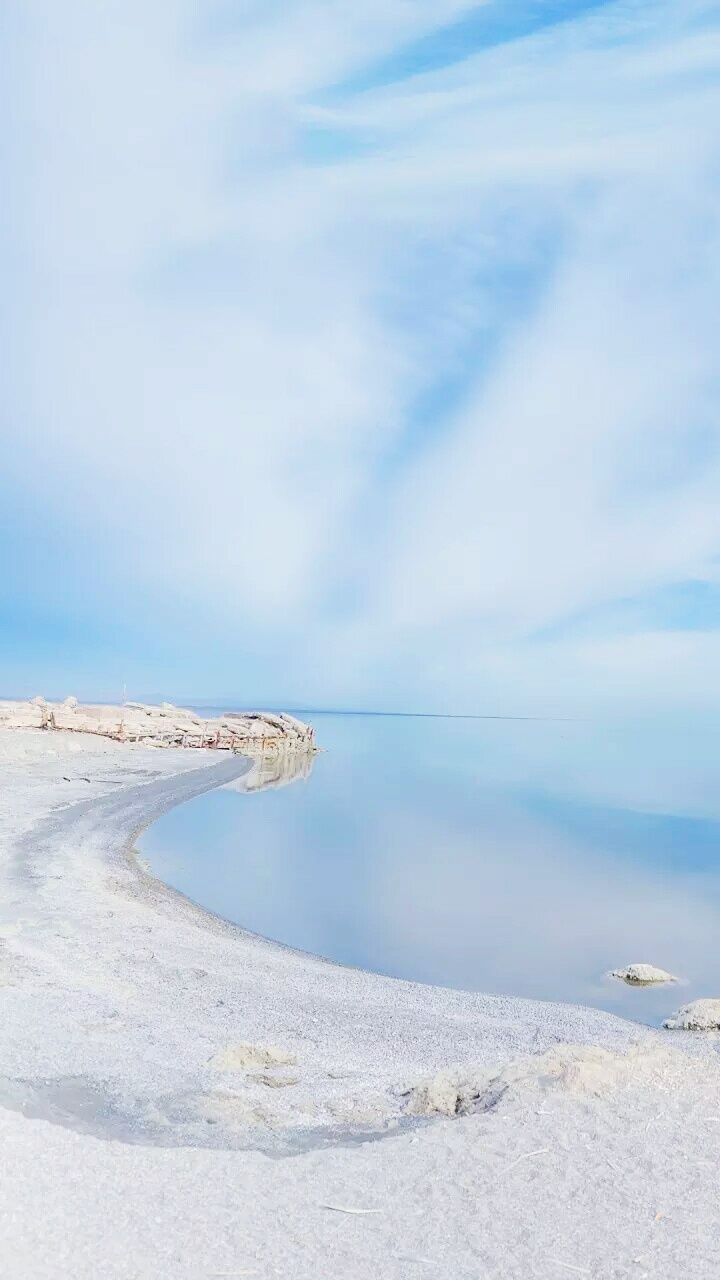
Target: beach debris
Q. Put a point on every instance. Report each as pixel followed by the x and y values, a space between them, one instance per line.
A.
pixel 527 1155
pixel 342 1208
pixel 70 702
pixel 240 1056
pixel 412 1257
pixel 643 975
pixel 699 1015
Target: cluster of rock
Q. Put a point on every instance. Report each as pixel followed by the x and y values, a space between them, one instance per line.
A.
pixel 699 1015
pixel 252 732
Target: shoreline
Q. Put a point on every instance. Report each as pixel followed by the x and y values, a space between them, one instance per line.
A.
pixel 157 887
pixel 133 1014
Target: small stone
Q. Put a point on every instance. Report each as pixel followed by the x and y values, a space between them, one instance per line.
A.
pixel 642 975
pixel 699 1015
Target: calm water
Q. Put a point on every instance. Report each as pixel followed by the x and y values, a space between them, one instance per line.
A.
pixel 515 857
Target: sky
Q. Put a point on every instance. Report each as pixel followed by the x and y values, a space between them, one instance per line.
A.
pixel 361 355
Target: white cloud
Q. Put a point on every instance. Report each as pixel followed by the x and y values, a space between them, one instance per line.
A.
pixel 586 466
pixel 223 344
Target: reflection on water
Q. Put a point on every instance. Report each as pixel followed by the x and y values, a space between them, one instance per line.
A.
pixel 275 769
pixel 512 857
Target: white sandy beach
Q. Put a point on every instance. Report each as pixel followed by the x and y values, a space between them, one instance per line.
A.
pixel 184 1099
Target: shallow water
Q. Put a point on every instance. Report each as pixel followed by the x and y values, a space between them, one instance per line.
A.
pixel 516 857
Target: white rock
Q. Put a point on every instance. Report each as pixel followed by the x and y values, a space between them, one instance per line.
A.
pixel 699 1015
pixel 165 726
pixel 443 1095
pixel 580 1070
pixel 642 975
pixel 239 1056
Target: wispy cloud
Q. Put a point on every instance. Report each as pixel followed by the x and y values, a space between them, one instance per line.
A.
pixel 401 369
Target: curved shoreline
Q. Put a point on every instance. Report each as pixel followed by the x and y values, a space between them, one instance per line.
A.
pixel 125 1006
pixel 158 891
pixel 338 1022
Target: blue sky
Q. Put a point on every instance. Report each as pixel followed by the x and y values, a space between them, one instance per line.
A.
pixel 362 355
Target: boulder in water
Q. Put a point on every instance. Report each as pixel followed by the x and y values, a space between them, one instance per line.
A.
pixel 642 975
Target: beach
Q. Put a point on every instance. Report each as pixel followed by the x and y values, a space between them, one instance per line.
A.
pixel 229 1106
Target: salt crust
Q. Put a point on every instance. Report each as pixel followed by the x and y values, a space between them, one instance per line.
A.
pixel 522 1139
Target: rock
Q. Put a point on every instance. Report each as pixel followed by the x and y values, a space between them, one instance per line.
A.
pixel 577 1070
pixel 642 975
pixel 165 726
pixel 239 1056
pixel 443 1095
pixel 699 1015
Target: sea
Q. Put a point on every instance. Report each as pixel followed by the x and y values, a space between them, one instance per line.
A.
pixel 520 857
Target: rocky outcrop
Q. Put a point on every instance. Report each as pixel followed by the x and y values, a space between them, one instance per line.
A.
pixel 253 732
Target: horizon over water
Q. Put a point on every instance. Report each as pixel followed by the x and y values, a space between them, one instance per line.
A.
pixel 517 856
pixel 363 711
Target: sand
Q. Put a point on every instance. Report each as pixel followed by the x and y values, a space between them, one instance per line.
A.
pixel 181 1098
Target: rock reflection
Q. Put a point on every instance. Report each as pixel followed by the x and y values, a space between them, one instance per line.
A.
pixel 274 769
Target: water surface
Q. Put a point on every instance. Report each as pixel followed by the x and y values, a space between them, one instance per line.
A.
pixel 515 857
